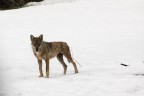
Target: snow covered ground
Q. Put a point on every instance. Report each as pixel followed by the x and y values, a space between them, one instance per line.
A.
pixel 102 35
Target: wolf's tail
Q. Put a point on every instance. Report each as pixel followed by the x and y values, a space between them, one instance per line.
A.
pixel 74 59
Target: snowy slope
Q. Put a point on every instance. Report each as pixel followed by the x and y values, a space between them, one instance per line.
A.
pixel 102 35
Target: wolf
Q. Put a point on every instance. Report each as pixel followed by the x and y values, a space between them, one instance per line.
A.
pixel 47 50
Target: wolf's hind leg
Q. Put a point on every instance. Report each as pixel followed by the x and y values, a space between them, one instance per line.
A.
pixel 60 59
pixel 68 56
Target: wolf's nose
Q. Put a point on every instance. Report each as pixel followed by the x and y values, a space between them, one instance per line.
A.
pixel 36 49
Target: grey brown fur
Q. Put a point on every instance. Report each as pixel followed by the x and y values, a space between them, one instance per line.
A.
pixel 47 50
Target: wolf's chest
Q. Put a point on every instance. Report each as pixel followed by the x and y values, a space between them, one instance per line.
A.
pixel 38 55
pixel 49 55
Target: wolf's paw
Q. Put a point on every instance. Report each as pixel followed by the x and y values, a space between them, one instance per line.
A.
pixel 76 72
pixel 40 75
pixel 64 73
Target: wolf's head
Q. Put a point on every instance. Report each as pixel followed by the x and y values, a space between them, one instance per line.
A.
pixel 36 42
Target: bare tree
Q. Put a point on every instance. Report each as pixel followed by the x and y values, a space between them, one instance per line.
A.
pixel 11 4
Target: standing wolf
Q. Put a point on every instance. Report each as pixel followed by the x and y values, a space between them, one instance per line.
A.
pixel 48 50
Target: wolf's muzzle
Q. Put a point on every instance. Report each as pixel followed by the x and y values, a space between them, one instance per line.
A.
pixel 37 49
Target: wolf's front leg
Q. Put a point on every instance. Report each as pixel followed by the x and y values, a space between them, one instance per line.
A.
pixel 47 68
pixel 40 68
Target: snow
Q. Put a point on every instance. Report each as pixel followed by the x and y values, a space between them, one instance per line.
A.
pixel 102 34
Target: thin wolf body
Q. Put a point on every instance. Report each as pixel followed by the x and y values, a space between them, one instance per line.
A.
pixel 47 50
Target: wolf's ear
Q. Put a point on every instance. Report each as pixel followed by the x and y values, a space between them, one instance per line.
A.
pixel 41 36
pixel 31 37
